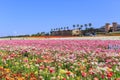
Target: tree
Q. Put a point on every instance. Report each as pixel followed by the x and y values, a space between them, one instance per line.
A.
pixel 64 28
pixel 56 29
pixel 90 24
pixel 67 28
pixel 81 26
pixel 47 34
pixel 86 26
pixel 73 26
pixel 51 30
pixel 38 34
pixel 42 33
pixel 61 28
pixel 78 25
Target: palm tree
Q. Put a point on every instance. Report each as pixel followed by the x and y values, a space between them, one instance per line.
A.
pixel 86 26
pixel 81 26
pixel 64 28
pixel 74 26
pixel 78 25
pixel 67 28
pixel 56 29
pixel 61 28
pixel 90 24
pixel 51 30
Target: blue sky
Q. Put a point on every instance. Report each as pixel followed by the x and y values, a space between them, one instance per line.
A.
pixel 32 16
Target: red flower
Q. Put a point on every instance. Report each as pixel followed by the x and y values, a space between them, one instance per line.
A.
pixel 52 70
pixel 68 73
pixel 64 79
pixel 102 76
pixel 109 74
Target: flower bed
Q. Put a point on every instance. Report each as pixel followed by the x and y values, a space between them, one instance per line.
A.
pixel 59 59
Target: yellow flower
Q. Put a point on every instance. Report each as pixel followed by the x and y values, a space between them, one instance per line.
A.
pixel 78 78
pixel 85 60
pixel 36 72
pixel 60 77
pixel 25 59
pixel 6 64
pixel 62 71
pixel 109 69
pixel 30 63
pixel 16 63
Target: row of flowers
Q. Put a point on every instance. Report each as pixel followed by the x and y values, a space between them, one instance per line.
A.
pixel 59 60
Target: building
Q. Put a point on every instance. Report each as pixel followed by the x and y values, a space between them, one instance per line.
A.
pixel 110 28
pixel 76 32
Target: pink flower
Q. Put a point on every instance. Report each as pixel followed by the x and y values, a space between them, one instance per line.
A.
pixel 84 74
pixel 96 78
pixel 91 71
pixel 42 67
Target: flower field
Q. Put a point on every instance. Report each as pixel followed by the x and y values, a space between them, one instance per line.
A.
pixel 59 59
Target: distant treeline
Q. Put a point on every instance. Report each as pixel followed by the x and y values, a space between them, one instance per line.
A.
pixel 27 35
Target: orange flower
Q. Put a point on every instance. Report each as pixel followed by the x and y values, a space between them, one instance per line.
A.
pixel 20 78
pixel 82 68
pixel 32 75
pixel 1 68
pixel 7 70
pixel 48 61
pixel 9 78
pixel 39 61
pixel 33 78
pixel 117 79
